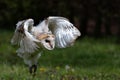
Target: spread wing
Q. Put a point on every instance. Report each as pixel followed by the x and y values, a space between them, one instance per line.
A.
pixel 23 37
pixel 65 32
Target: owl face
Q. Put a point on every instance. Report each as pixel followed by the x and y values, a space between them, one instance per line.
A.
pixel 47 41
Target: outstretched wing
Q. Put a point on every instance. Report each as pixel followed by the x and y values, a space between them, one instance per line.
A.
pixel 23 37
pixel 65 32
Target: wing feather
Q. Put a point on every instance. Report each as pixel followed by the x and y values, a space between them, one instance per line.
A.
pixel 64 31
pixel 24 38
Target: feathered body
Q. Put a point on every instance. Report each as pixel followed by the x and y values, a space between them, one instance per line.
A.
pixel 50 33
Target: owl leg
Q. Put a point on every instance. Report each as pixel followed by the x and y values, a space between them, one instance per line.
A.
pixel 33 69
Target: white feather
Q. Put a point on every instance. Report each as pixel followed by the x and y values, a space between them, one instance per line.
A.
pixel 25 39
pixel 64 31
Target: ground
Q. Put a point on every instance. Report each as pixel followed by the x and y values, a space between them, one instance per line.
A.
pixel 88 59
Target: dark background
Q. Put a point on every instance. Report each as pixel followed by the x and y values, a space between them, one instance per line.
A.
pixel 92 17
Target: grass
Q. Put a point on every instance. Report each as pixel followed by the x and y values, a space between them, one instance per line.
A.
pixel 88 59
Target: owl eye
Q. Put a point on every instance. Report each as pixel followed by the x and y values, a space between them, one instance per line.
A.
pixel 47 41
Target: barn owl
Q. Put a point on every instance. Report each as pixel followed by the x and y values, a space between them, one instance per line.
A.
pixel 50 33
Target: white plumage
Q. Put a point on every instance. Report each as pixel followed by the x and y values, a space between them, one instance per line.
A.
pixel 50 33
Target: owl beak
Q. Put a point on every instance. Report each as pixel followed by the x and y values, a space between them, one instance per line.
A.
pixel 50 45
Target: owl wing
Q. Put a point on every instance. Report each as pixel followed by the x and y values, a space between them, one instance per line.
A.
pixel 65 32
pixel 23 37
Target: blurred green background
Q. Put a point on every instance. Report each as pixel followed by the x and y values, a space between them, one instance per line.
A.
pixel 95 55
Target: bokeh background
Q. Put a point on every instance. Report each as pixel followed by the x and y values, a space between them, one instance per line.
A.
pixel 92 17
pixel 95 54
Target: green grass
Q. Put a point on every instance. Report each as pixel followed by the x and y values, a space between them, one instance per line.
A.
pixel 88 59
